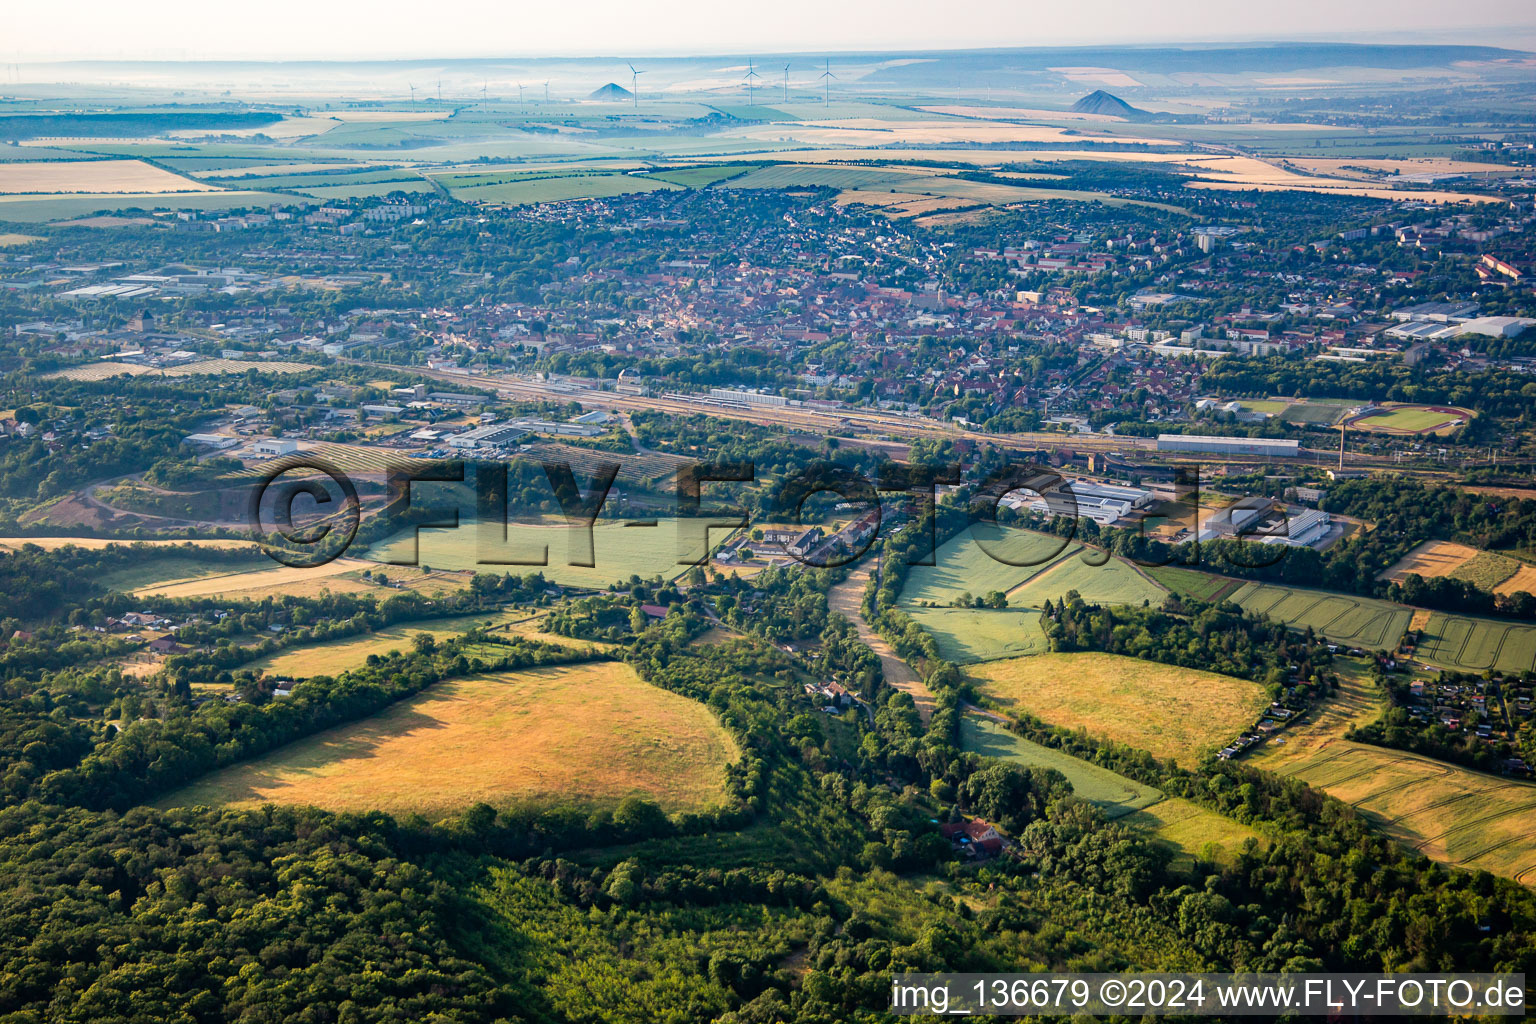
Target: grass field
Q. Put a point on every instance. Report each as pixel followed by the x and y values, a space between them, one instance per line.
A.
pixel 1114 582
pixel 1114 794
pixel 1191 830
pixel 618 551
pixel 1172 713
pixel 592 733
pixel 1473 645
pixel 981 560
pixel 967 635
pixel 1343 618
pixel 336 656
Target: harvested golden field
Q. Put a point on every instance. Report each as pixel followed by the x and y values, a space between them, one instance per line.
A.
pixel 14 239
pixel 240 584
pixel 99 177
pixel 592 733
pixel 1523 581
pixel 1173 713
pixel 1431 559
pixel 96 543
pixel 111 368
pixel 900 204
pixel 1453 814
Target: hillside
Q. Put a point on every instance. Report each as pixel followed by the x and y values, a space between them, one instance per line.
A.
pixel 611 93
pixel 1101 102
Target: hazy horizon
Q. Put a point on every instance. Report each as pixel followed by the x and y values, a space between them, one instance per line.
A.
pixel 179 30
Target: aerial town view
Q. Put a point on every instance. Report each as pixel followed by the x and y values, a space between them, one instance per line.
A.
pixel 653 513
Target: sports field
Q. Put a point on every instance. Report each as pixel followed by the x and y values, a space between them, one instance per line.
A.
pixel 1114 794
pixel 1173 713
pixel 1473 645
pixel 982 560
pixel 592 733
pixel 618 551
pixel 967 635
pixel 1414 419
pixel 1343 618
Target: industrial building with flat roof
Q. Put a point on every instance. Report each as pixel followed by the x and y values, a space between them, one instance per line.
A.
pixel 1275 447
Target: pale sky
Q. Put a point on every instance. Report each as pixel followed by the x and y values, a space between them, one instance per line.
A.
pixel 344 29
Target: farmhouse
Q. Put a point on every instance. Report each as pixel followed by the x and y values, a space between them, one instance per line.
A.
pixel 975 838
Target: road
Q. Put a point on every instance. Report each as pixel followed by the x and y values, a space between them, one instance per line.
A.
pixel 846 598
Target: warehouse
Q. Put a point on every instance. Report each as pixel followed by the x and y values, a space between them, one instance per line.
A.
pixel 1273 447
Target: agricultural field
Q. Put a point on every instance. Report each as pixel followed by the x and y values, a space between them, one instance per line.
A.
pixel 9 239
pixel 1453 814
pixel 1486 570
pixel 1431 559
pixel 968 635
pixel 618 551
pixel 1112 793
pixel 983 559
pixel 1473 645
pixel 1413 419
pixel 92 176
pixel 560 189
pixel 1115 582
pixel 158 569
pixel 593 733
pixel 111 368
pixel 36 209
pixel 359 191
pixel 1522 582
pixel 1173 713
pixel 97 543
pixel 242 584
pixel 332 657
pixel 1343 618
pixel 1202 586
pixel 701 176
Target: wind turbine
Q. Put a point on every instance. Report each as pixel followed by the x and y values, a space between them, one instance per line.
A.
pixel 826 84
pixel 519 93
pixel 634 84
pixel 413 93
pixel 439 90
pixel 484 100
pixel 546 92
pixel 786 83
pixel 751 74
